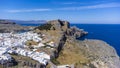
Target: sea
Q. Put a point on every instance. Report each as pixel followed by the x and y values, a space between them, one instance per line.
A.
pixel 109 33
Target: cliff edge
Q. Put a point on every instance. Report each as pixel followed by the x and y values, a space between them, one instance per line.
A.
pixel 88 53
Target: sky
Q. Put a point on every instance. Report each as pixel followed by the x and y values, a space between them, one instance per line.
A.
pixel 75 11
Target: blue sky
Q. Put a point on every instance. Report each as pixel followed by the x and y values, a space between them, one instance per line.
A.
pixel 75 11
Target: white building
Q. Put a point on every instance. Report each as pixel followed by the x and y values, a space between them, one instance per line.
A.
pixel 9 40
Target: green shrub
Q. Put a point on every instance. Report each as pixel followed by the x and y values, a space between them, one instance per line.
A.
pixel 44 27
pixel 53 60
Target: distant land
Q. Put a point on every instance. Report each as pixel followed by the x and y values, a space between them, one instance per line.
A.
pixel 26 21
pixel 11 26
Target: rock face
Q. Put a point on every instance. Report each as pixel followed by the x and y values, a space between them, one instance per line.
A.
pixel 58 31
pixel 59 25
pixel 63 26
pixel 75 32
pixel 83 54
pixel 89 54
pixel 104 55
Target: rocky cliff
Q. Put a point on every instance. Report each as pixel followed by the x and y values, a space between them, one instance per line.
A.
pixel 83 54
pixel 89 54
pixel 58 31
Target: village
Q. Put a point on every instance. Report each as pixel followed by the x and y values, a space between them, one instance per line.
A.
pixel 15 43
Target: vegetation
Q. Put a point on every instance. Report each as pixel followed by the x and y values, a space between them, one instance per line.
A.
pixel 44 27
pixel 31 42
pixel 55 61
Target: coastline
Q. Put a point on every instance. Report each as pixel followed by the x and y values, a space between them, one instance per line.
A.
pixel 107 33
pixel 42 41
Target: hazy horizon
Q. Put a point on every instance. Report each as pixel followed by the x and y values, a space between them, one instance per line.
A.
pixel 77 11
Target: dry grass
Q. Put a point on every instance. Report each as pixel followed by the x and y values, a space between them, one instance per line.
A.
pixel 51 35
pixel 31 42
pixel 72 54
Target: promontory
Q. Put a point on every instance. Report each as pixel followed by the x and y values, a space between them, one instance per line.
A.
pixel 55 44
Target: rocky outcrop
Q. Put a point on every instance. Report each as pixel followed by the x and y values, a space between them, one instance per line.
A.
pixel 88 54
pixel 59 25
pixel 83 54
pixel 102 54
pixel 58 31
pixel 64 27
pixel 75 32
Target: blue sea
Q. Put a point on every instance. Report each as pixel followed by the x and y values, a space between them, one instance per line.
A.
pixel 109 33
